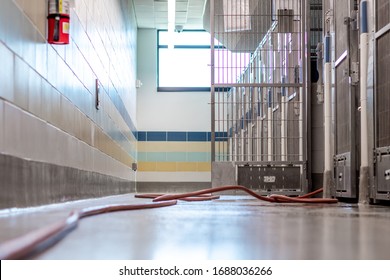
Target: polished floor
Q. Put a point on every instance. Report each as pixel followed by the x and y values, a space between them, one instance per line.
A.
pixel 233 227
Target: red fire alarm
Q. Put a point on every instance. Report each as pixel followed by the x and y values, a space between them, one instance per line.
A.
pixel 58 22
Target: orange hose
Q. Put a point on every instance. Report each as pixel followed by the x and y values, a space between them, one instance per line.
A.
pixel 190 198
pixel 312 193
pixel 96 210
pixel 273 198
pixel 211 190
pixel 45 237
pixel 26 245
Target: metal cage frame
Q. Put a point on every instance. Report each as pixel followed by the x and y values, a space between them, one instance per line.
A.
pixel 260 93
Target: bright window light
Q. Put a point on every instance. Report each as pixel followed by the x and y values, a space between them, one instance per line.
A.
pixel 187 65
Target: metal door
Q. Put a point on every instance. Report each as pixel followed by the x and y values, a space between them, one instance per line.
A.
pixel 345 97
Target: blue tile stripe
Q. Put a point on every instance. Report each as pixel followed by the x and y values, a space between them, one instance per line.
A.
pixel 180 136
pixel 141 136
pixel 197 136
pixel 177 136
pixel 156 136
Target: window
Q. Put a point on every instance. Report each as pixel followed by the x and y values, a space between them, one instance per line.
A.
pixel 186 67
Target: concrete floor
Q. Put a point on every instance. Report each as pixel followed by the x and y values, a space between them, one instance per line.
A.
pixel 233 227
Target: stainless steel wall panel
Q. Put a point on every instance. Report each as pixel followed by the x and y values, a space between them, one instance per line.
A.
pixel 270 179
pixel 343 109
pixel 383 174
pixel 383 13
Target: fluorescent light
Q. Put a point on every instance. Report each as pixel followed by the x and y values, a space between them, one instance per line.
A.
pixel 171 22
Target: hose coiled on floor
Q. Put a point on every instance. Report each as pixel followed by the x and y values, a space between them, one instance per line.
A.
pixel 272 198
pixel 41 239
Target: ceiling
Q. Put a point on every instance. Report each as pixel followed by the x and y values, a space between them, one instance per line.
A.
pixel 154 13
pixel 189 14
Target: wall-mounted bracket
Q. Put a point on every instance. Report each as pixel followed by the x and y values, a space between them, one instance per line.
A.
pixel 97 94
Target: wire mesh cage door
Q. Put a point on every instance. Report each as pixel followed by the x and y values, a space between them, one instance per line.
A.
pixel 258 93
pixel 382 100
pixel 346 99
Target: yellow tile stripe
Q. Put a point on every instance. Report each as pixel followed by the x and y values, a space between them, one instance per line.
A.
pixel 174 166
pixel 174 146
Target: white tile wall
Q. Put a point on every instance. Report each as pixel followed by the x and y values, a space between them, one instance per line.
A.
pixel 6 73
pixel 55 143
pixel 13 140
pixel 22 72
pixel 34 89
pixel 1 125
pixel 49 144
pixel 48 90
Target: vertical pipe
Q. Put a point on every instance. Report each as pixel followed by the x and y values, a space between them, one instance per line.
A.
pixel 237 123
pixel 269 125
pixel 363 81
pixel 224 125
pixel 234 123
pixel 304 93
pixel 328 181
pixel 219 118
pixel 305 85
pixel 259 130
pixel 364 169
pixel 230 124
pixel 250 125
pixel 245 122
pixel 236 152
pixel 238 104
pixel 212 81
pixel 283 151
pixel 229 140
pixel 242 123
pixel 300 120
